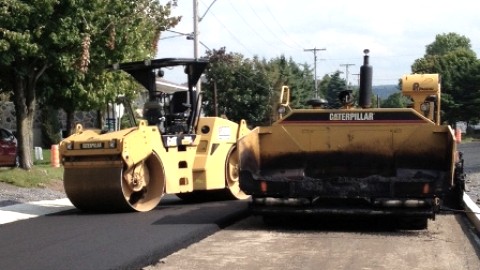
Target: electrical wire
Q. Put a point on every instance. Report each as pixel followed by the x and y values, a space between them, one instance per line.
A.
pixel 300 46
pixel 242 17
pixel 238 41
pixel 270 30
pixel 327 63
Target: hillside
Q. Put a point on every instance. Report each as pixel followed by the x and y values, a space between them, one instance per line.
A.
pixel 383 91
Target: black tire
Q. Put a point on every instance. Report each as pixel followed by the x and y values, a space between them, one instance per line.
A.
pixel 453 198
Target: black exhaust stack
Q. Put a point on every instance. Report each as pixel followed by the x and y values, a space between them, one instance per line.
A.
pixel 365 99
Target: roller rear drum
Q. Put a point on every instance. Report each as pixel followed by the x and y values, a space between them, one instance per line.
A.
pixel 114 189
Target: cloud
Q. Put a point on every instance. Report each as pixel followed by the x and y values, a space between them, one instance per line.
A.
pixel 396 32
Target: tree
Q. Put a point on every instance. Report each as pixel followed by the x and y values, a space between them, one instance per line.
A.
pixel 241 85
pixel 334 87
pixel 323 86
pixel 249 88
pixel 280 72
pixel 451 56
pixel 396 100
pixel 110 39
pixel 72 41
pixel 446 43
pixel 296 77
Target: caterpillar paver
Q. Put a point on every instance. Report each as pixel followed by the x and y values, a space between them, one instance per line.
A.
pixel 356 160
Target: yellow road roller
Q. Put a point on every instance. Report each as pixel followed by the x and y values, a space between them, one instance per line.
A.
pixel 355 159
pixel 172 150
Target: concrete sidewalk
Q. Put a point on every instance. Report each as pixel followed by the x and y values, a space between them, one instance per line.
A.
pixel 23 211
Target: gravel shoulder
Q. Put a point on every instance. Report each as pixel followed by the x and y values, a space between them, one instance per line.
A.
pixel 10 194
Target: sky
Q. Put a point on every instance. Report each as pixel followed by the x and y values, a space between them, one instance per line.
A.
pixel 395 32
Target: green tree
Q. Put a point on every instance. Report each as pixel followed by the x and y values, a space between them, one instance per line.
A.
pixel 334 87
pixel 241 86
pixel 323 86
pixel 108 30
pixel 72 41
pixel 298 78
pixel 451 56
pixel 280 72
pixel 446 43
pixel 396 100
pixel 249 88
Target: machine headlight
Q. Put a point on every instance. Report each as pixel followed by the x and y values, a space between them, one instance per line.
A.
pixel 281 110
pixel 112 143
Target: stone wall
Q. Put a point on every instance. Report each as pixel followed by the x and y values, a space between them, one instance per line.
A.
pixel 7 116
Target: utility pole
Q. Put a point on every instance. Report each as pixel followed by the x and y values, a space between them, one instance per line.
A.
pixel 346 72
pixel 195 29
pixel 314 50
pixel 196 41
pixel 358 78
pixel 198 86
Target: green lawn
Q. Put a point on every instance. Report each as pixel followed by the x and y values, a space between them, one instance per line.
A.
pixel 41 173
pixel 470 137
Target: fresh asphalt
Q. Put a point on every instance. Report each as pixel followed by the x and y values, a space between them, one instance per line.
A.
pixel 75 240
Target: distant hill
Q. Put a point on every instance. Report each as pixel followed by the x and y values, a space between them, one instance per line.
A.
pixel 383 91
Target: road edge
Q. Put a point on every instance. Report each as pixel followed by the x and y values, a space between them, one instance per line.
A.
pixel 472 211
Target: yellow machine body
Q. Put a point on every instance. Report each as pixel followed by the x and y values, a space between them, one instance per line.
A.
pixel 184 163
pixel 373 161
pixel 172 151
pixel 348 143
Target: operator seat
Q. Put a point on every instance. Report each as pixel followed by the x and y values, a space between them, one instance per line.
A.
pixel 178 103
pixel 179 113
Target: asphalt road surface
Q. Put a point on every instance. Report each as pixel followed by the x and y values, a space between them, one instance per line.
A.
pixel 471 153
pixel 76 240
pixel 448 243
pixel 344 244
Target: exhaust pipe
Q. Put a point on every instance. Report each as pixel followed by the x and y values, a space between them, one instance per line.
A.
pixel 365 95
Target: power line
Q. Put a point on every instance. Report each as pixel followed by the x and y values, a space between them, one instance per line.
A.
pixel 205 13
pixel 238 41
pixel 268 28
pixel 281 27
pixel 253 28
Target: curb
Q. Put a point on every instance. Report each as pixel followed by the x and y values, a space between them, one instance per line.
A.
pixel 472 211
pixel 16 212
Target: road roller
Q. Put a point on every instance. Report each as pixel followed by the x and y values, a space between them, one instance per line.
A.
pixel 172 150
pixel 356 160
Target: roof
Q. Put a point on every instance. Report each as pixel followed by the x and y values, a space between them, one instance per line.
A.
pixel 142 70
pixel 168 86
